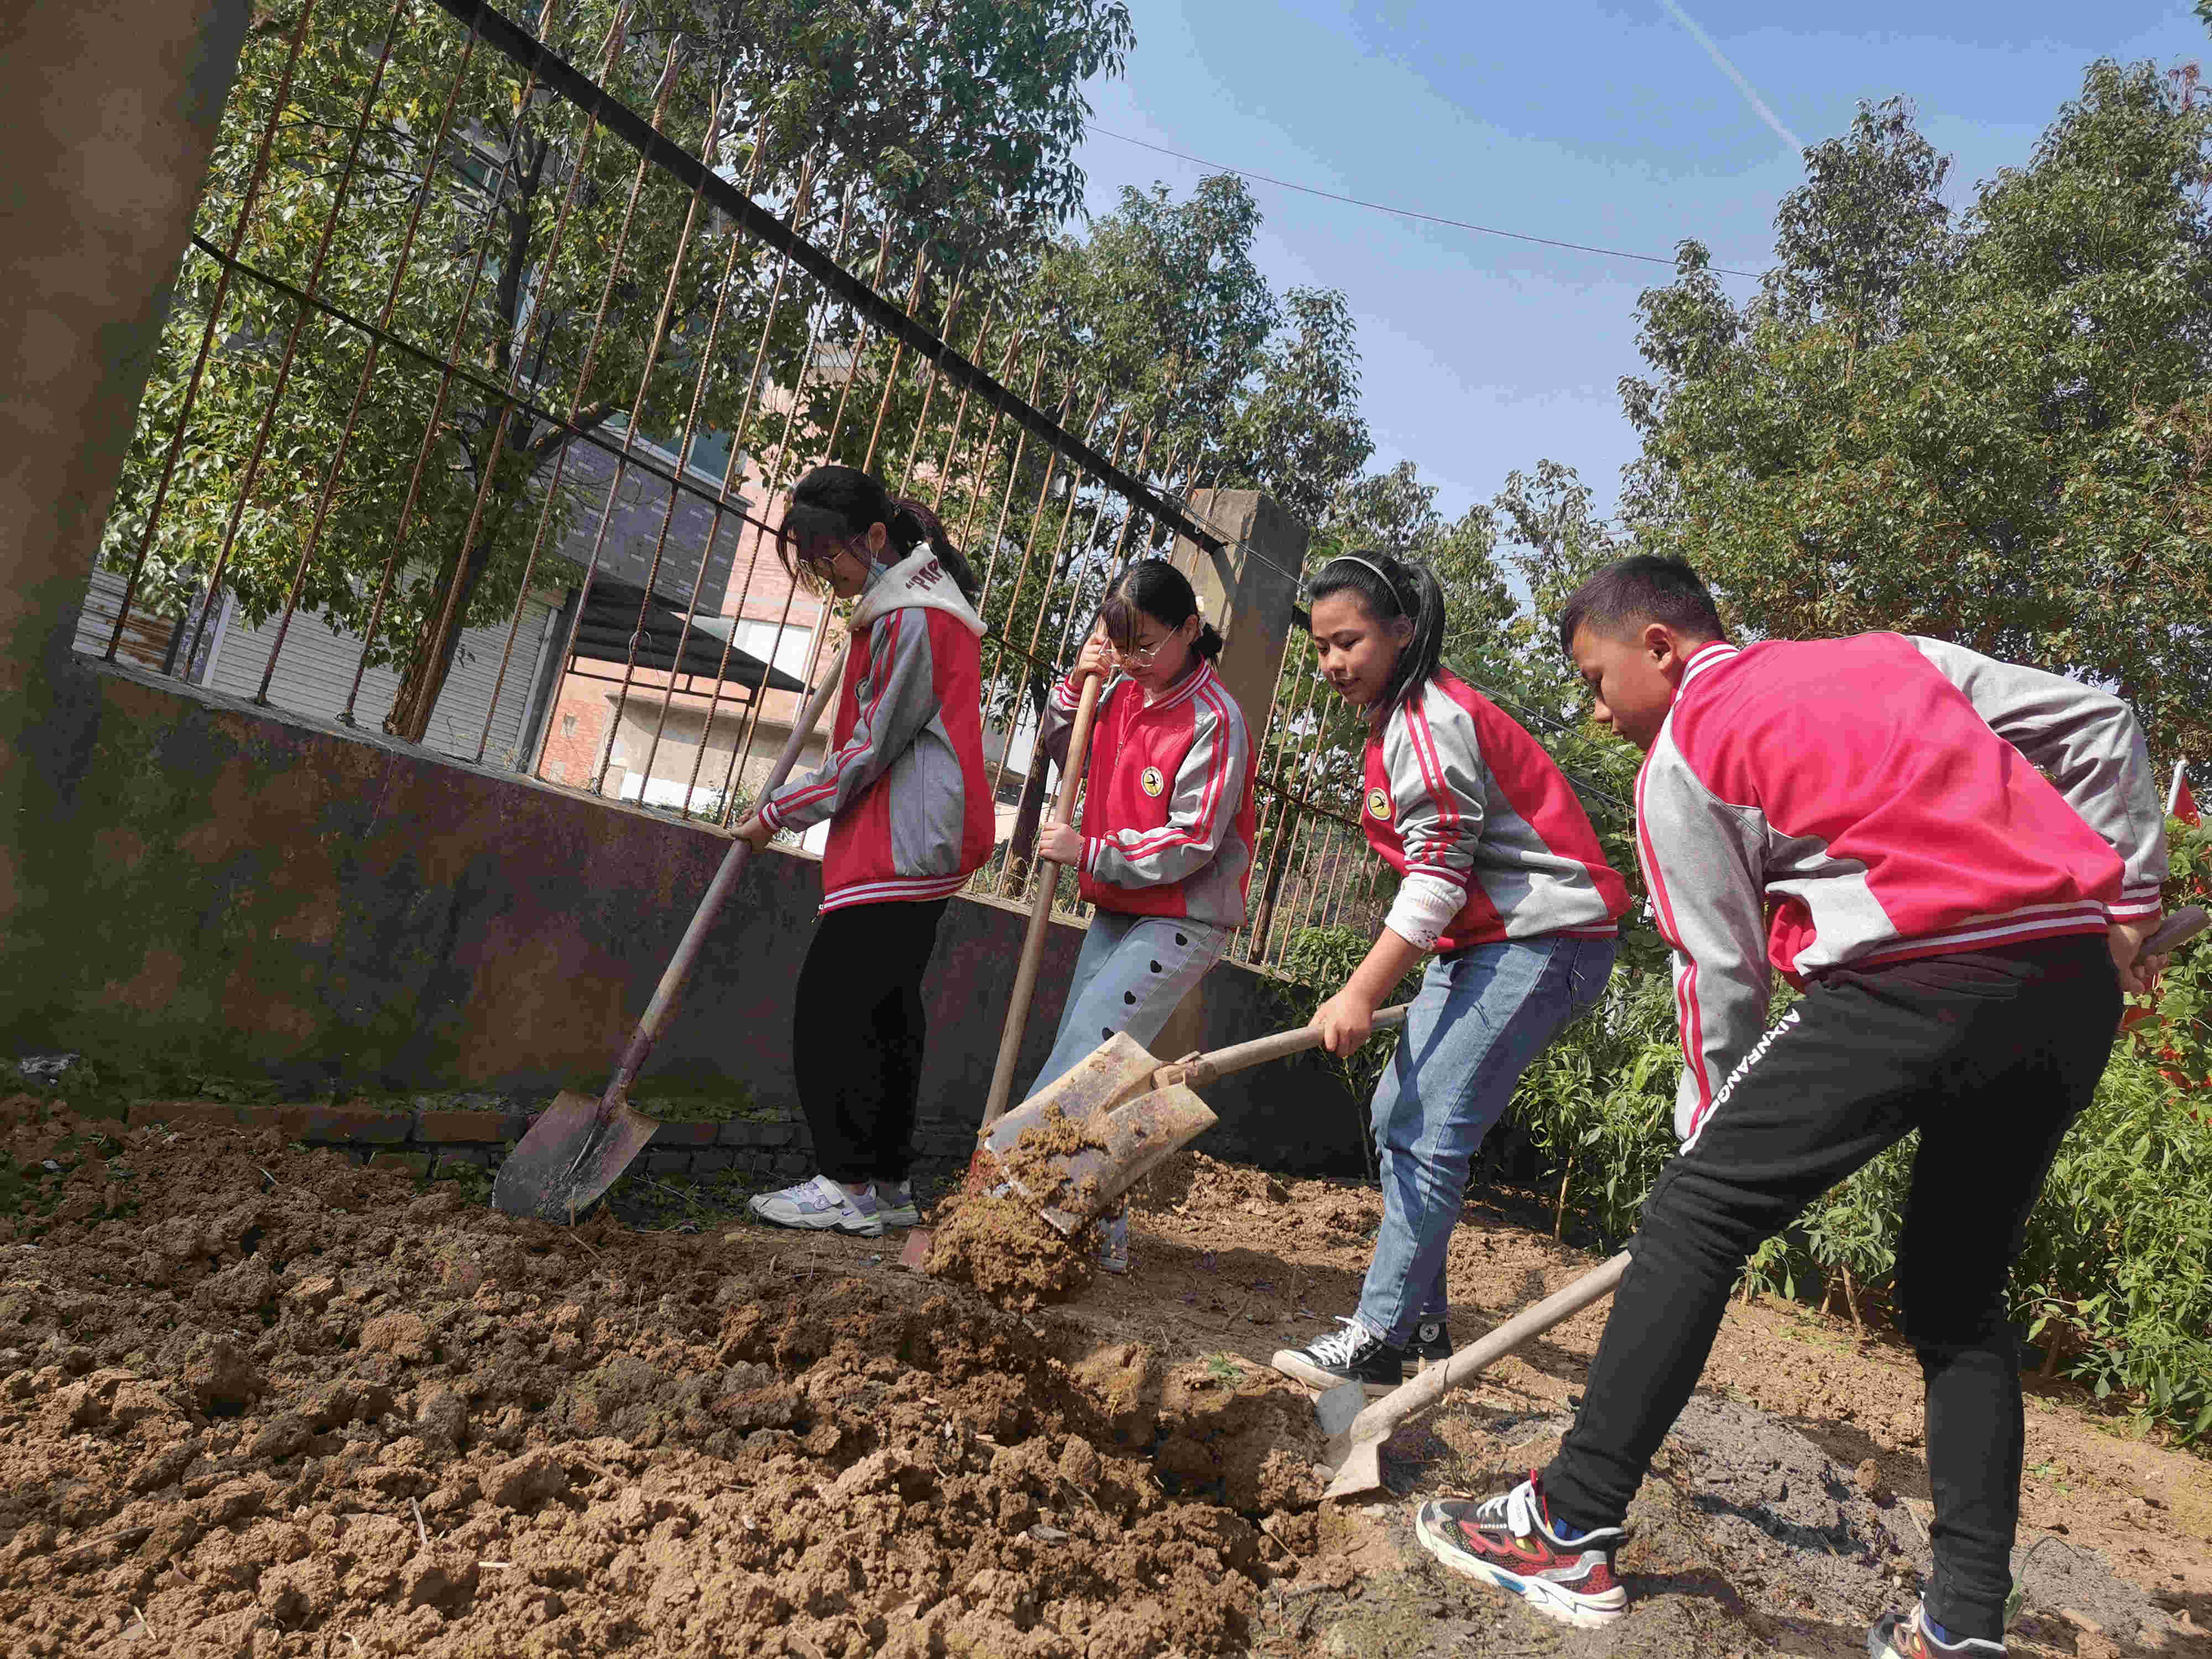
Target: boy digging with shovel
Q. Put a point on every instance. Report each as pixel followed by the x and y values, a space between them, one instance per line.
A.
pixel 1866 816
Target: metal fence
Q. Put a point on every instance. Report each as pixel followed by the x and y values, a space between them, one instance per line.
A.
pixel 495 347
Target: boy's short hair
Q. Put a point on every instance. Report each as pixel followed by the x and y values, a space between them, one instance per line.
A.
pixel 1644 588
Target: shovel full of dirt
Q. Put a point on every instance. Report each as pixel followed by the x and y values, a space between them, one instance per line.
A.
pixel 580 1145
pixel 1074 1147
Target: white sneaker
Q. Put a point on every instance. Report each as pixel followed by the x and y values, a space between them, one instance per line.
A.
pixel 820 1205
pixel 895 1204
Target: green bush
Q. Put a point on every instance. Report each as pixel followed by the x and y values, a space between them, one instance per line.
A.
pixel 1599 1103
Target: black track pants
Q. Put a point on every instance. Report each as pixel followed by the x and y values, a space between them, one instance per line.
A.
pixel 857 1036
pixel 1990 1056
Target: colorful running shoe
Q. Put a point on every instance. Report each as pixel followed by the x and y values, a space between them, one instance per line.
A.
pixel 818 1206
pixel 1511 1542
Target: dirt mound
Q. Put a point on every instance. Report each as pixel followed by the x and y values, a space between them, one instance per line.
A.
pixel 259 1401
pixel 1320 1213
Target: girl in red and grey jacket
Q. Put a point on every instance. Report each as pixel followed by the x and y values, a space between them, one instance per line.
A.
pixel 1165 850
pixel 1507 894
pixel 909 802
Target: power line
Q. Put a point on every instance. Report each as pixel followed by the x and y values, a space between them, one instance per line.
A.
pixel 1414 213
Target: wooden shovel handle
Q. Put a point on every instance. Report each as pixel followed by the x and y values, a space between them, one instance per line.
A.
pixel 2184 925
pixel 670 991
pixel 1048 880
pixel 1378 1419
pixel 1199 1070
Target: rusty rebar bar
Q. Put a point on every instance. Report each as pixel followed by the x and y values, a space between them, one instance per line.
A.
pixel 247 201
pixel 371 353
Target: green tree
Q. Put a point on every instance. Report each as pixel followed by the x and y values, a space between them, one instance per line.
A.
pixel 541 258
pixel 1298 433
pixel 1995 432
pixel 1161 337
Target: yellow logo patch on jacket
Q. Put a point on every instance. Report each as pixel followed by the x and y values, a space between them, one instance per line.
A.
pixel 1378 804
pixel 1153 780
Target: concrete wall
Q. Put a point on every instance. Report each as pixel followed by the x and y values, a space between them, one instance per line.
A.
pixel 222 889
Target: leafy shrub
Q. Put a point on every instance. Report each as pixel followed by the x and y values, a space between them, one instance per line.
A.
pixel 2119 1263
pixel 1599 1103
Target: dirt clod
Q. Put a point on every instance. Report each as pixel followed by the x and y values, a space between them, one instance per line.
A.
pixel 221 1377
pixel 443 1413
pixel 526 1481
pixel 1005 1249
pixel 998 1241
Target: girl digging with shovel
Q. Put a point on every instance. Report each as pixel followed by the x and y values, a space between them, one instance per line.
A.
pixel 1505 892
pixel 1165 852
pixel 908 803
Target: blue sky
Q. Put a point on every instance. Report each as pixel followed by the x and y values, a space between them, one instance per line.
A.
pixel 1598 123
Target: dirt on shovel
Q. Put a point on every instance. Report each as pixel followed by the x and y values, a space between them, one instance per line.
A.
pixel 999 1242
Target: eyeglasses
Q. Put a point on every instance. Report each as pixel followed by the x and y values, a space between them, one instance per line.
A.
pixel 1141 655
pixel 824 563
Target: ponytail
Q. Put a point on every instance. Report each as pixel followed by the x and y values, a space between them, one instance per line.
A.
pixel 1158 590
pixel 838 503
pixel 911 523
pixel 1390 588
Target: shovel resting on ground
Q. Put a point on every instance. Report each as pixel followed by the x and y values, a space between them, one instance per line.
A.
pixel 1357 1430
pixel 578 1145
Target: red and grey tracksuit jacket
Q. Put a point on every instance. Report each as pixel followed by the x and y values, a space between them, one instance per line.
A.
pixel 1167 802
pixel 905 788
pixel 1810 803
pixel 1483 825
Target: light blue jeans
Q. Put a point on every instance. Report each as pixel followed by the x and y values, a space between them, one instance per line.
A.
pixel 1131 975
pixel 1479 1019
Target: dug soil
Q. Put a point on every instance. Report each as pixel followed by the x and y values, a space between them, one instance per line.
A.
pixel 258 1400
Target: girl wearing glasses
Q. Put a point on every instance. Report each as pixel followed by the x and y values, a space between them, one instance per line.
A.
pixel 1165 850
pixel 908 803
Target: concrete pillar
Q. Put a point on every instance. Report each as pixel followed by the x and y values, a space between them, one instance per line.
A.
pixel 113 108
pixel 1248 589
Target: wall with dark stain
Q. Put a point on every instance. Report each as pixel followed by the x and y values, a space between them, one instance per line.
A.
pixel 228 889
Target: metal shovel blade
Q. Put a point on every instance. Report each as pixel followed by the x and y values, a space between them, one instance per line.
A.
pixel 1354 1455
pixel 1137 1137
pixel 573 1153
pixel 1116 1070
